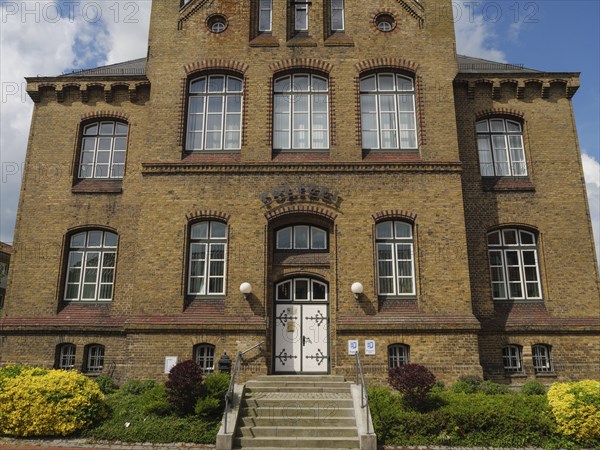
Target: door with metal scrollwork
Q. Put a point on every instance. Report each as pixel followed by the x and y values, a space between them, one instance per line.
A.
pixel 301 327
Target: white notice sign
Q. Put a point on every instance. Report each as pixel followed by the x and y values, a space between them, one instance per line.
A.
pixel 170 362
pixel 369 347
pixel 352 347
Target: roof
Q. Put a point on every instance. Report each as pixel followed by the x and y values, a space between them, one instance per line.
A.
pixel 6 248
pixel 469 64
pixel 133 67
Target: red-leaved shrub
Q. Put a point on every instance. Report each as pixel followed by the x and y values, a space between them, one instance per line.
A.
pixel 414 381
pixel 184 386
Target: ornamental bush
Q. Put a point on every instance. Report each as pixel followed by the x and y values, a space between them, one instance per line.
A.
pixel 576 408
pixel 533 388
pixel 184 386
pixel 414 381
pixel 39 402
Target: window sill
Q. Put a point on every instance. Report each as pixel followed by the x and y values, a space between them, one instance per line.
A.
pixel 302 40
pixel 519 301
pixel 546 375
pixel 264 40
pixel 300 155
pixel 339 39
pixel 507 184
pixel 90 185
pixel 515 375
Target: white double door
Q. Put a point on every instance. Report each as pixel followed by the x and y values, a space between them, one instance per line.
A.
pixel 301 338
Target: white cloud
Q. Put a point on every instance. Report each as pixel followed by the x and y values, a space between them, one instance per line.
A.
pixel 591 172
pixel 45 38
pixel 475 36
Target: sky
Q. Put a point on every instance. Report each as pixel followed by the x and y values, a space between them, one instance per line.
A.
pixel 52 37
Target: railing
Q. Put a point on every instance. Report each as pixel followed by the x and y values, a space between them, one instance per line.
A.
pixel 235 372
pixel 364 395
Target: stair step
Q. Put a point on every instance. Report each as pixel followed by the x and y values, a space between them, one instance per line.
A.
pixel 297 383
pixel 304 442
pixel 298 432
pixel 300 389
pixel 270 421
pixel 297 402
pixel 309 378
pixel 292 412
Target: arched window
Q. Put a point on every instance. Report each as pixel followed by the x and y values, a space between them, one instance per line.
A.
pixel 208 246
pixel 214 119
pixel 512 358
pixel 514 265
pixel 387 105
pixel 398 355
pixel 301 112
pixel 103 147
pixel 301 237
pixel 94 358
pixel 541 358
pixel 204 355
pixel 301 289
pixel 91 266
pixel 65 356
pixel 501 151
pixel 395 258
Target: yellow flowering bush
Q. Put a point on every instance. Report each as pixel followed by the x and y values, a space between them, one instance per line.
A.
pixel 40 402
pixel 576 408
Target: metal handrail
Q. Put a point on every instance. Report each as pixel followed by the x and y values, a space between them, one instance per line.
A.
pixel 235 372
pixel 364 395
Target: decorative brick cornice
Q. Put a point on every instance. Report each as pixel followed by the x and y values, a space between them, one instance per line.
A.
pixel 415 9
pixel 207 64
pixel 386 63
pixel 389 214
pixel 189 10
pixel 207 214
pixel 285 210
pixel 105 114
pixel 539 87
pixel 301 63
pixel 83 87
pixel 491 112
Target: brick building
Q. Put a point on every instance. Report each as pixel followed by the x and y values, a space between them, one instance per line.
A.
pixel 341 165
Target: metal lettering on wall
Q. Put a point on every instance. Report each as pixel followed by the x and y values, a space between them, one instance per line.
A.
pixel 301 191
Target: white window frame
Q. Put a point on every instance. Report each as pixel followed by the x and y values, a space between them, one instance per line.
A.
pixel 203 90
pixel 265 8
pixel 398 355
pixel 337 5
pixel 292 282
pixel 512 358
pixel 503 274
pixel 82 276
pixel 402 96
pixel 300 6
pixel 287 93
pixel 204 355
pixel 66 356
pixel 395 243
pixel 93 145
pixel 94 358
pixel 206 245
pixel 541 355
pixel 311 230
pixel 501 148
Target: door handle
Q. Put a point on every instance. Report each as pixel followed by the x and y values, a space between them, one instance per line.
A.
pixel 303 341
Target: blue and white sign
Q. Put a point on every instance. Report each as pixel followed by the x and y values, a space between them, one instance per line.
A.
pixel 352 347
pixel 369 347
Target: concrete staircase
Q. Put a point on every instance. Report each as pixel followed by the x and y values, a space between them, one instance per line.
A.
pixel 297 412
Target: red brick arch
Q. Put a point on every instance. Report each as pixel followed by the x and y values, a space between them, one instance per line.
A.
pixel 315 210
pixel 391 214
pixel 207 214
pixel 301 63
pixel 209 64
pixel 493 112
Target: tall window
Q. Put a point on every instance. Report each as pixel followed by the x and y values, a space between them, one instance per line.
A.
pixel 103 147
pixel 208 244
pixel 301 112
pixel 300 15
pixel 265 15
pixel 301 237
pixel 514 265
pixel 214 119
pixel 398 355
pixel 65 357
pixel 500 145
pixel 512 359
pixel 94 359
pixel 91 266
pixel 541 358
pixel 204 355
pixel 387 105
pixel 337 15
pixel 395 258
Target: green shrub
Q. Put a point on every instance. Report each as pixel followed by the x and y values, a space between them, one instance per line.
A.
pixel 576 407
pixel 386 409
pixel 473 380
pixel 137 387
pixel 209 407
pixel 439 386
pixel 491 388
pixel 216 385
pixel 463 387
pixel 40 402
pixel 106 384
pixel 533 388
pixel 154 401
